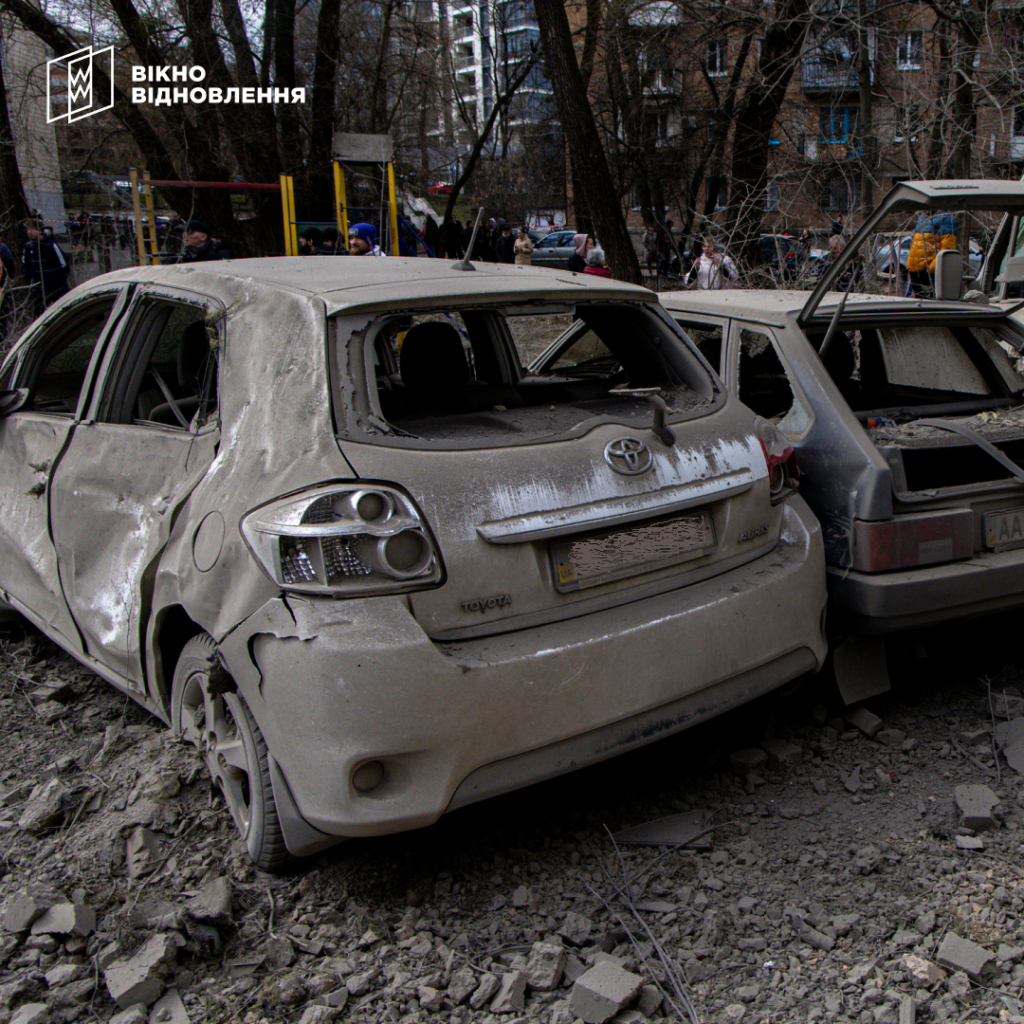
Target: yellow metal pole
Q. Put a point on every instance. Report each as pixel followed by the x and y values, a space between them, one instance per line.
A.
pixel 340 202
pixel 154 259
pixel 394 208
pixel 140 242
pixel 291 207
pixel 286 215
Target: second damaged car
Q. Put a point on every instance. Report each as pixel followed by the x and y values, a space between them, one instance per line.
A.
pixel 319 518
pixel 906 411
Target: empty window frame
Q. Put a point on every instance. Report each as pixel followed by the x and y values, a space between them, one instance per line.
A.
pixel 909 48
pixel 717 63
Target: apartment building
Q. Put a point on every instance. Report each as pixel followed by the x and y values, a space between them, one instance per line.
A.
pixel 878 92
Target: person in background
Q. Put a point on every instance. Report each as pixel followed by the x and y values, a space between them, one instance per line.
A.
pixel 199 247
pixel 837 225
pixel 523 248
pixel 453 241
pixel 712 270
pixel 582 243
pixel 665 250
pixel 504 245
pixel 362 240
pixel 328 243
pixel 45 265
pixel 595 264
pixel 308 241
pixel 650 242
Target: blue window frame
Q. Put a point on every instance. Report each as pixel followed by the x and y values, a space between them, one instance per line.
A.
pixel 838 124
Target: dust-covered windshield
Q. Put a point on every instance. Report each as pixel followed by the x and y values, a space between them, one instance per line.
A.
pixel 472 376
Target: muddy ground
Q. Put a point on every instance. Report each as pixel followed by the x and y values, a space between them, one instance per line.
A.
pixel 825 868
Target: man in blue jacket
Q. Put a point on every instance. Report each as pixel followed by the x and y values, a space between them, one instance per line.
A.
pixel 46 267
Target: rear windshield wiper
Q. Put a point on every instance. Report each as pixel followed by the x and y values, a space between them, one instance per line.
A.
pixel 986 446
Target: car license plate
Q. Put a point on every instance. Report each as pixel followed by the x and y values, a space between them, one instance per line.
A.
pixel 596 558
pixel 1004 530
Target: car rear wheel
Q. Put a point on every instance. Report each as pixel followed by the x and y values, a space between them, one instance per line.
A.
pixel 208 712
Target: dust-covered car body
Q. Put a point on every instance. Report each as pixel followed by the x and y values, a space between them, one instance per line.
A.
pixel 909 428
pixel 420 582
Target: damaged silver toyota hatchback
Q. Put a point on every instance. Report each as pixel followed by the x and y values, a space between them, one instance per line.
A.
pixel 316 516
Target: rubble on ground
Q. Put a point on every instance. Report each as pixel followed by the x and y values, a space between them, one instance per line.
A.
pixel 795 861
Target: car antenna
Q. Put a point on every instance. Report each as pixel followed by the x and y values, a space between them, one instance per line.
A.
pixel 464 263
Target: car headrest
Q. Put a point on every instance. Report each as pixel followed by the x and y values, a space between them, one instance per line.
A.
pixel 193 351
pixel 433 357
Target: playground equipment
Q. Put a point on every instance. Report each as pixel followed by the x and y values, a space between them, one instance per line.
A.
pixel 366 150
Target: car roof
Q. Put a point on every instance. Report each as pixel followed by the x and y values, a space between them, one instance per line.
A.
pixel 350 282
pixel 773 306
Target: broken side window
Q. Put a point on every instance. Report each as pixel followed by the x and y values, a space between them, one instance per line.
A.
pixel 764 385
pixel 55 370
pixel 166 372
pixel 707 338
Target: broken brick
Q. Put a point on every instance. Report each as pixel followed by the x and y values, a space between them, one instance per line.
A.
pixel 959 954
pixel 604 990
pixel 66 919
pixel 861 718
pixel 976 804
pixel 140 978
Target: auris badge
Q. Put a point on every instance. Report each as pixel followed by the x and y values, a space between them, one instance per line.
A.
pixel 628 455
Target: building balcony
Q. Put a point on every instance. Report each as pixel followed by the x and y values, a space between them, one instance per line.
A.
pixel 465 62
pixel 661 83
pixel 830 76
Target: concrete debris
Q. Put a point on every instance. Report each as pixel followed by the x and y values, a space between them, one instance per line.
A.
pixel 851 782
pixel 969 843
pixel 861 718
pixel 1009 738
pixel 462 985
pixel 318 1014
pixel 674 830
pixel 781 752
pixel 748 760
pixel 430 999
pixel 959 984
pixel 142 853
pixel 213 904
pixel 511 996
pixel 576 928
pixel 23 910
pixel 602 991
pixel 976 804
pixel 11 795
pixel 169 1009
pixel 140 977
pixel 908 1009
pixel 66 919
pixel 30 1013
pixel 923 972
pixel 650 1000
pixel 959 954
pixel 486 989
pixel 545 966
pixel 867 859
pixel 46 807
pixel 135 1014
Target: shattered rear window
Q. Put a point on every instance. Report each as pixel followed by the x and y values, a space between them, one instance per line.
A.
pixel 460 375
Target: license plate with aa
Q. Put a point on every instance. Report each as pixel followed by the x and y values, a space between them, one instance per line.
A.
pixel 1004 530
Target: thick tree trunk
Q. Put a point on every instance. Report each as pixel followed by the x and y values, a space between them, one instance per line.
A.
pixel 13 205
pixel 755 117
pixel 319 179
pixel 584 141
pixel 868 157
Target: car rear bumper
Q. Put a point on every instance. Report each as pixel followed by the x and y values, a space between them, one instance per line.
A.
pixel 884 602
pixel 341 683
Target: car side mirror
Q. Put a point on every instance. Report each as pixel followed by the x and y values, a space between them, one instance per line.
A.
pixel 12 401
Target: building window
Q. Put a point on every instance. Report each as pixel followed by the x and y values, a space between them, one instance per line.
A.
pixel 718 194
pixel 1018 122
pixel 839 195
pixel 771 199
pixel 838 124
pixel 908 51
pixel 718 58
pixel 906 126
pixel 657 125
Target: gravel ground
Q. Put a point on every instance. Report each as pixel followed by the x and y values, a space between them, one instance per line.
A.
pixel 833 886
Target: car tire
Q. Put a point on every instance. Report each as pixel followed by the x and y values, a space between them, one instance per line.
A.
pixel 234 749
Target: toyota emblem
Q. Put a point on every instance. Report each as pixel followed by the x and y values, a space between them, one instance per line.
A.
pixel 628 455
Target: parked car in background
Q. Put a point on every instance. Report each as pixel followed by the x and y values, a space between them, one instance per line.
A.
pixel 373 583
pixel 439 188
pixel 882 260
pixel 554 250
pixel 907 418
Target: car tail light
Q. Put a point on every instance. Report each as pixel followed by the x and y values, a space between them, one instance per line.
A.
pixel 345 540
pixel 783 474
pixel 907 541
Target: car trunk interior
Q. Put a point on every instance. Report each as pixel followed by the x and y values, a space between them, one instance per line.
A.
pixel 894 377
